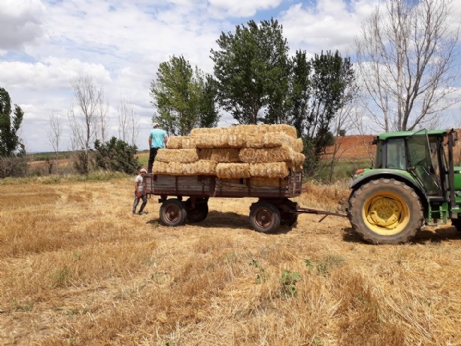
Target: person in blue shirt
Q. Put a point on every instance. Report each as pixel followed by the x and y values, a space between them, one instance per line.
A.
pixel 157 140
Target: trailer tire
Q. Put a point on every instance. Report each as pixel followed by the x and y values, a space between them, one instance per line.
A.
pixel 288 212
pixel 385 211
pixel 264 217
pixel 172 213
pixel 199 212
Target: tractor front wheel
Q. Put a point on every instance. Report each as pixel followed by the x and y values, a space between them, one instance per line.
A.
pixel 385 211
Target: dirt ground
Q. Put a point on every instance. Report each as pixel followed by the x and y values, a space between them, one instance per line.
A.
pixel 78 268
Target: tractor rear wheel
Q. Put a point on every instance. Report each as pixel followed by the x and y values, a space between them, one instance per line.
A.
pixel 385 211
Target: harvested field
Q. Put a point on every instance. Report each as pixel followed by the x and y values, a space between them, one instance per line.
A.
pixel 78 268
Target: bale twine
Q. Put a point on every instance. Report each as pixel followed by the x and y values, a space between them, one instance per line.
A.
pixel 177 155
pixel 219 155
pixel 269 170
pixel 232 170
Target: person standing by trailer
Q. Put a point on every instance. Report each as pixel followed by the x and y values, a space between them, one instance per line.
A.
pixel 157 140
pixel 140 192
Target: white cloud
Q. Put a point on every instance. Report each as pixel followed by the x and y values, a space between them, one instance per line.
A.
pixel 20 22
pixel 242 8
pixel 329 25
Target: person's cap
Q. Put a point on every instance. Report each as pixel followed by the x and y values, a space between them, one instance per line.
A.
pixel 155 125
pixel 142 170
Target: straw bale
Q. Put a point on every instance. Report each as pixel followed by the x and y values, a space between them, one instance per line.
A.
pixel 233 170
pixel 219 155
pixel 201 167
pixel 181 142
pixel 282 154
pixel 188 142
pixel 207 131
pixel 174 142
pixel 269 170
pixel 298 145
pixel 298 159
pixel 177 155
pixel 263 181
pixel 260 130
pixel 221 141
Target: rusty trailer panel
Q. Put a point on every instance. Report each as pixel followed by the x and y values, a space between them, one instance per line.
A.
pixel 211 186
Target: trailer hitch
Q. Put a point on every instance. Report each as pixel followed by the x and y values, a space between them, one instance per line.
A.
pixel 318 212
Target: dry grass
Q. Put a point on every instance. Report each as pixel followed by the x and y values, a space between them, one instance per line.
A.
pixel 78 269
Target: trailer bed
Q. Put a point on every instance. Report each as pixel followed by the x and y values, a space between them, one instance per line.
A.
pixel 211 186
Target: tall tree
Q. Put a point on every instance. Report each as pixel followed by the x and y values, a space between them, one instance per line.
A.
pixel 320 87
pixel 10 122
pixel 83 117
pixel 299 91
pixel 407 63
pixel 184 97
pixel 252 70
pixel 128 122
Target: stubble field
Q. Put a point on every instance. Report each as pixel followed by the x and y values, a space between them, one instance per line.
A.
pixel 77 268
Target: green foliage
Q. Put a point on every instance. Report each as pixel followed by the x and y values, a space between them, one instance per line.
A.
pixel 324 267
pixel 262 275
pixel 185 98
pixel 252 70
pixel 289 281
pixel 117 156
pixel 331 77
pixel 10 143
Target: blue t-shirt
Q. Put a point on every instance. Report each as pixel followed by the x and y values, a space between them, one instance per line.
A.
pixel 158 138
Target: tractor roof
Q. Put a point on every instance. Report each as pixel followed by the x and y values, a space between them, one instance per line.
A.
pixel 388 135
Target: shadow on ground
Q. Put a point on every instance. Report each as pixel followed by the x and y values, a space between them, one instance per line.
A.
pixel 437 235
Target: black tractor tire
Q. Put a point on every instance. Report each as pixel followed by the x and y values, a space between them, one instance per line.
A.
pixel 199 212
pixel 457 223
pixel 172 213
pixel 385 211
pixel 264 217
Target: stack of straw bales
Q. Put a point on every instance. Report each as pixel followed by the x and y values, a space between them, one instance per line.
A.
pixel 263 153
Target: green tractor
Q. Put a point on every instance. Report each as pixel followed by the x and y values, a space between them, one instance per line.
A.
pixel 413 183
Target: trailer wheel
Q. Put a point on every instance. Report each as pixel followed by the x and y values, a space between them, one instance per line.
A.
pixel 457 223
pixel 199 212
pixel 172 213
pixel 264 217
pixel 385 211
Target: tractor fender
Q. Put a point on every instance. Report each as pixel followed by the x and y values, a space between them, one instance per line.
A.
pixel 402 176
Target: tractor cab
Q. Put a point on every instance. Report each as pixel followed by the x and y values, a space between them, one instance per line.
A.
pixel 419 153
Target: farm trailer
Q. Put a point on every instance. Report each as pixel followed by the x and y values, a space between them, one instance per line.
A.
pixel 273 208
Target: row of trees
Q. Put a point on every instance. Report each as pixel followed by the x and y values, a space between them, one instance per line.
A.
pixel 256 81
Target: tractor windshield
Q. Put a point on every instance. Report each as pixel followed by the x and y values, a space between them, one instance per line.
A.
pixel 422 152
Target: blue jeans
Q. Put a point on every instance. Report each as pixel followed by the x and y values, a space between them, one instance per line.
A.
pixel 136 202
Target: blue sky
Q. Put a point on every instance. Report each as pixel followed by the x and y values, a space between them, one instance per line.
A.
pixel 46 43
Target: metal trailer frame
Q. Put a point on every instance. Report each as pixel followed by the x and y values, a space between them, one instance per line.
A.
pixel 273 208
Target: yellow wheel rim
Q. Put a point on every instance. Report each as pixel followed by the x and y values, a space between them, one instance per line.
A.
pixel 386 213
